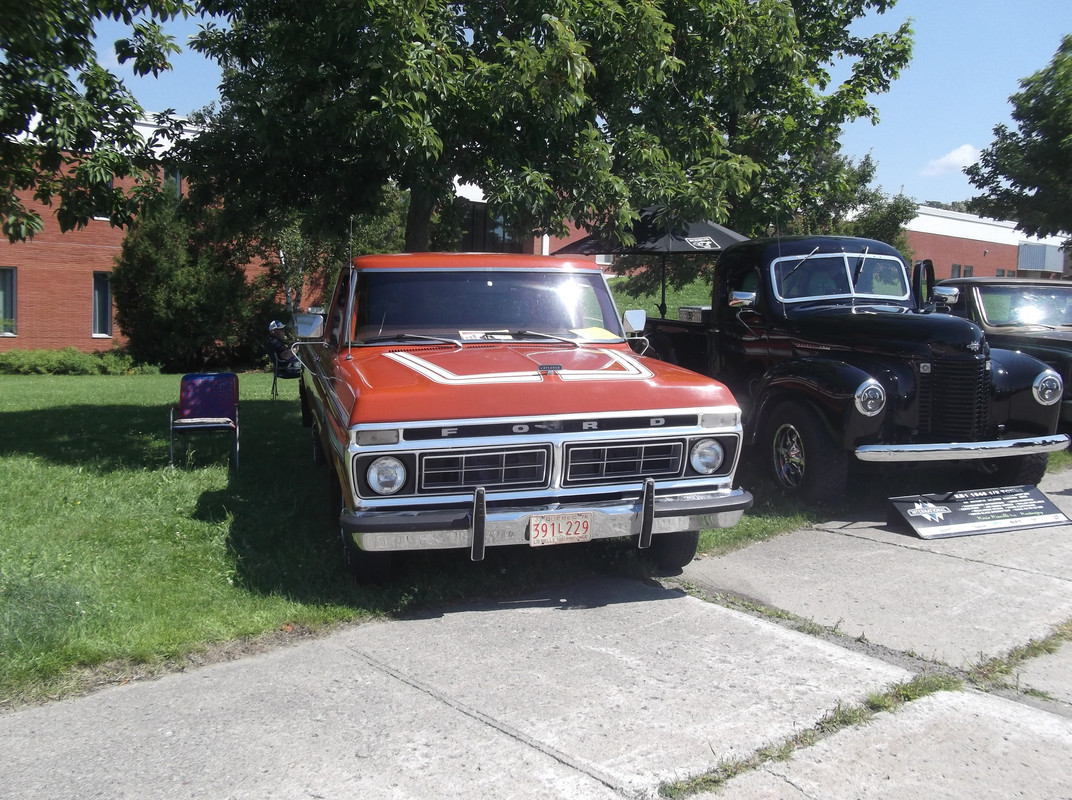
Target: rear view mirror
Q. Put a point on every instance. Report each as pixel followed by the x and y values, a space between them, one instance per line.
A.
pixel 946 295
pixel 742 299
pixel 634 320
pixel 309 326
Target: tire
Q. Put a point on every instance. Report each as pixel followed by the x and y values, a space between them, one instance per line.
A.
pixel 366 567
pixel 1015 470
pixel 672 551
pixel 306 412
pixel 802 458
pixel 320 458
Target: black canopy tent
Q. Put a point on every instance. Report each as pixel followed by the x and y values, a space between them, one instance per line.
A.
pixel 651 239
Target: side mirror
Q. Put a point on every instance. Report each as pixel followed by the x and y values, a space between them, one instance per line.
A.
pixel 946 295
pixel 309 326
pixel 923 282
pixel 742 299
pixel 634 320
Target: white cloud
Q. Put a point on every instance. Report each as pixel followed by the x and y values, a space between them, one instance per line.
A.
pixel 953 161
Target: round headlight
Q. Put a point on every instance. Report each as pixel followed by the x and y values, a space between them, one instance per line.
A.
pixel 1048 387
pixel 870 398
pixel 386 475
pixel 707 456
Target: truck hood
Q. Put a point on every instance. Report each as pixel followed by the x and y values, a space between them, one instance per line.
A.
pixel 898 331
pixel 396 384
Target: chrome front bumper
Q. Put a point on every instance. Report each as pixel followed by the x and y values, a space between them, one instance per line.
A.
pixel 962 451
pixel 478 528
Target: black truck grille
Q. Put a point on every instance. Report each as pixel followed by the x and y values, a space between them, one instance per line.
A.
pixel 953 400
pixel 505 469
pixel 492 469
pixel 623 461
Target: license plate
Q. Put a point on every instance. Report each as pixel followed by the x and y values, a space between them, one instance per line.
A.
pixel 560 528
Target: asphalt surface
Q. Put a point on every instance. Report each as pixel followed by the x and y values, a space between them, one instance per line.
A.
pixel 611 688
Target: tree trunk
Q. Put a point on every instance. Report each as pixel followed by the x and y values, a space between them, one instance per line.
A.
pixel 419 219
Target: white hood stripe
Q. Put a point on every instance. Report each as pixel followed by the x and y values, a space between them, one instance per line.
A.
pixel 619 367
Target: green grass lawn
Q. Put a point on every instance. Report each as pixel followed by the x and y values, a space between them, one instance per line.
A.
pixel 113 564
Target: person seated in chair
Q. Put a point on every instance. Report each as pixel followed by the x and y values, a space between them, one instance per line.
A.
pixel 283 355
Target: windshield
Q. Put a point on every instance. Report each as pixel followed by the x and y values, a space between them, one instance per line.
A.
pixel 464 305
pixel 841 275
pixel 1026 305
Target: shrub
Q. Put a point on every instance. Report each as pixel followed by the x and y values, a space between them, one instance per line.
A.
pixel 70 361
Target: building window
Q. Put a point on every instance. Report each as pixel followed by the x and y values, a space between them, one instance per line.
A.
pixel 956 271
pixel 175 177
pixel 999 273
pixel 605 260
pixel 969 270
pixel 102 304
pixel 104 213
pixel 7 301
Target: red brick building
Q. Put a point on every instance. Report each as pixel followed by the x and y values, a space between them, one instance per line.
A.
pixel 964 245
pixel 55 290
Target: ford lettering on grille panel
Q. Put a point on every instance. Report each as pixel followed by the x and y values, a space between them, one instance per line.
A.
pixel 624 460
pixel 492 469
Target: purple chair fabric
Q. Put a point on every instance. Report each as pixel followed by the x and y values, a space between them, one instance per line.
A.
pixel 208 403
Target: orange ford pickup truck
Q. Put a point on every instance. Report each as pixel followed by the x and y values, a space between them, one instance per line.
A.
pixel 477 400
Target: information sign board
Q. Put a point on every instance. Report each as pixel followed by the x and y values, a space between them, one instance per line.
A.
pixel 975 511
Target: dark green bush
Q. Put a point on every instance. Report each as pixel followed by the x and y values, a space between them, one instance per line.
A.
pixel 70 361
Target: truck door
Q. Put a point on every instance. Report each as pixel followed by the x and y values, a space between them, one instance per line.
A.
pixel 739 344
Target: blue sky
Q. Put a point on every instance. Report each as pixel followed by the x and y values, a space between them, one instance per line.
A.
pixel 968 59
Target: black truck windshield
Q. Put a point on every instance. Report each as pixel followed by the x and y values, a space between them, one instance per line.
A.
pixel 840 275
pixel 477 305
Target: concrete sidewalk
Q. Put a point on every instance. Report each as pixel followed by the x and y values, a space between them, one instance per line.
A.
pixel 610 688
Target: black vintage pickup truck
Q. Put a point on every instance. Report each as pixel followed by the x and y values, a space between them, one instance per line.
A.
pixel 833 355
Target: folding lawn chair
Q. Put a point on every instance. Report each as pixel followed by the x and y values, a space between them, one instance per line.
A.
pixel 276 373
pixel 208 403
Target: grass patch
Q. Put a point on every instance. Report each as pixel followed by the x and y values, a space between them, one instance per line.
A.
pixel 993 673
pixel 696 293
pixel 841 717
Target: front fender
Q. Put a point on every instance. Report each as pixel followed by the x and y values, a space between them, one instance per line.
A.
pixel 828 386
pixel 1012 374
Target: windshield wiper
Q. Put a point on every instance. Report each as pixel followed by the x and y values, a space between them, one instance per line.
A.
pixel 856 273
pixel 797 265
pixel 410 337
pixel 518 334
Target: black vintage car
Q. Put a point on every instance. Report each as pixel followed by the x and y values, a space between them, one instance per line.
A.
pixel 832 355
pixel 1031 315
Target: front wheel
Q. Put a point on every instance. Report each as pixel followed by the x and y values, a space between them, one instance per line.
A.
pixel 672 551
pixel 366 567
pixel 802 457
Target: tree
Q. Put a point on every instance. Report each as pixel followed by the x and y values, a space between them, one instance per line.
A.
pixel 1026 175
pixel 582 110
pixel 839 200
pixel 67 124
pixel 181 298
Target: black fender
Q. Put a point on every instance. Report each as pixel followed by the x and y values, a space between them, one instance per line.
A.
pixel 826 385
pixel 1012 376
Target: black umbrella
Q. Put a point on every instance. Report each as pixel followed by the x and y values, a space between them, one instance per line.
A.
pixel 687 237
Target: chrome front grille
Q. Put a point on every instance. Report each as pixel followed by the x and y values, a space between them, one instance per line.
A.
pixel 493 469
pixel 590 463
pixel 954 399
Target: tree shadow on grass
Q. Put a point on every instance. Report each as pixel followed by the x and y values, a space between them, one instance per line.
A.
pixel 276 505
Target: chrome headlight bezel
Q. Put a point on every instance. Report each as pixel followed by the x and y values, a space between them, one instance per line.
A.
pixel 386 475
pixel 1048 388
pixel 706 456
pixel 870 398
